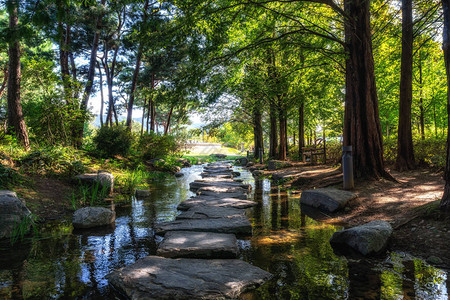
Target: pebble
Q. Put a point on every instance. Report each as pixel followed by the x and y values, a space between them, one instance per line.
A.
pixel 434 260
pixel 413 229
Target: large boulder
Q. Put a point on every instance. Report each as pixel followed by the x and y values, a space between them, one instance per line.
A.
pixel 243 161
pixel 367 239
pixel 328 199
pixel 103 178
pixel 154 277
pixel 88 217
pixel 12 213
pixel 273 165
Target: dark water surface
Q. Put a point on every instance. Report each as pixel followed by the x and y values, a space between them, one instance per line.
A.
pixel 65 264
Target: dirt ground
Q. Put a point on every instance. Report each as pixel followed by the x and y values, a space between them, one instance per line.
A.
pixel 410 205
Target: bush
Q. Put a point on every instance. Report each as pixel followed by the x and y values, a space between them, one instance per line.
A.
pixel 53 161
pixel 111 141
pixel 153 145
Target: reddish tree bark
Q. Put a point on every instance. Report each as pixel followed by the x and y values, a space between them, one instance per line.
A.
pixel 445 201
pixel 405 152
pixel 15 114
pixel 257 130
pixel 362 128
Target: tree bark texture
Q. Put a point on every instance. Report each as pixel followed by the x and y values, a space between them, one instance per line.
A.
pixel 257 130
pixel 15 114
pixel 405 152
pixel 169 117
pixel 273 137
pixel 283 133
pixel 102 102
pixel 445 201
pixel 301 130
pixel 362 128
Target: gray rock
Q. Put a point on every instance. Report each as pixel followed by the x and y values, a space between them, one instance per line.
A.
pixel 257 173
pixel 217 175
pixel 104 178
pixel 243 161
pixel 214 201
pixel 211 212
pixel 156 277
pixel 367 239
pixel 218 193
pixel 240 226
pixel 142 194
pixel 213 170
pixel 179 174
pixel 184 162
pixel 198 245
pixel 12 213
pixel 235 174
pixel 88 217
pixel 199 184
pixel 434 260
pixel 273 165
pixel 328 199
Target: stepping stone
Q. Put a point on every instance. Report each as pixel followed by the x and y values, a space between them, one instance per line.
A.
pixel 187 244
pixel 156 277
pixel 239 226
pixel 217 170
pixel 211 212
pixel 327 199
pixel 198 184
pixel 221 189
pixel 218 175
pixel 217 202
pixel 225 193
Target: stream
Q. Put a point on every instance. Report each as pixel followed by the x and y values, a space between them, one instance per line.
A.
pixel 62 263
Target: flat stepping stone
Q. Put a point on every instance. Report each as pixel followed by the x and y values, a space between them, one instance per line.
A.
pixel 217 170
pixel 211 212
pixel 221 189
pixel 225 193
pixel 327 199
pixel 218 175
pixel 239 226
pixel 199 184
pixel 156 277
pixel 187 244
pixel 217 202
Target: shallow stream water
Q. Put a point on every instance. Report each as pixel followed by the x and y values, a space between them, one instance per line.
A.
pixel 61 263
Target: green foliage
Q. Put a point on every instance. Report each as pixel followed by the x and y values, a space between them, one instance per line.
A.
pixel 8 177
pixel 63 161
pixel 111 141
pixel 429 152
pixel 86 195
pixel 152 145
pixel 22 228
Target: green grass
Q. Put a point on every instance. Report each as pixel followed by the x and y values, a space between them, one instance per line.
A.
pixel 22 228
pixel 88 195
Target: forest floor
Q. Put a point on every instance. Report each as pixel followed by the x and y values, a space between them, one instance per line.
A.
pixel 411 205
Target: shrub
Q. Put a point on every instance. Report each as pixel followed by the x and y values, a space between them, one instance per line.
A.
pixel 153 145
pixel 111 141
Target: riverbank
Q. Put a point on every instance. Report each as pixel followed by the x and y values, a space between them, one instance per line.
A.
pixel 411 205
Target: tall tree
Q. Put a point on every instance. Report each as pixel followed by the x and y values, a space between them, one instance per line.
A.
pixel 445 201
pixel 405 152
pixel 15 114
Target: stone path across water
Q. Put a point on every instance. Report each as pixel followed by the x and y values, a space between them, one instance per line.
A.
pixel 206 228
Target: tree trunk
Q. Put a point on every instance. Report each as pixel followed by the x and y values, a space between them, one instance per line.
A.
pixel 135 75
pixel 15 115
pixel 421 108
pixel 301 130
pixel 257 130
pixel 101 93
pixel 143 115
pixel 445 201
pixel 273 137
pixel 90 80
pixel 283 134
pixel 405 151
pixel 167 125
pixel 362 128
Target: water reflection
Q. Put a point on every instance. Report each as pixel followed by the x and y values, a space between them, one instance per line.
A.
pixel 64 263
